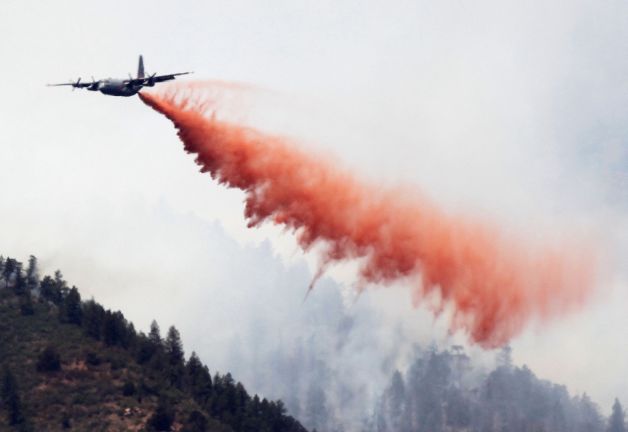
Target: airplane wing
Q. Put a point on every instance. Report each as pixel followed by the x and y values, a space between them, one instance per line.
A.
pixel 162 78
pixel 73 84
pixel 77 84
pixel 153 79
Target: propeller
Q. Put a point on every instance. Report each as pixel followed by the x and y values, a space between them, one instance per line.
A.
pixel 76 84
pixel 150 81
pixel 94 85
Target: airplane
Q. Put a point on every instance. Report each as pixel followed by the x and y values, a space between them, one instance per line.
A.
pixel 123 87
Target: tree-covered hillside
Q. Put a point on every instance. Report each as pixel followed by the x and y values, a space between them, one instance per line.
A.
pixel 442 392
pixel 69 364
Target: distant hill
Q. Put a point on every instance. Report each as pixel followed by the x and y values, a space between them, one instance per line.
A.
pixel 441 392
pixel 68 364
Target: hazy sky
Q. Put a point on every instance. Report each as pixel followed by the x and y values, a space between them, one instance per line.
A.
pixel 514 111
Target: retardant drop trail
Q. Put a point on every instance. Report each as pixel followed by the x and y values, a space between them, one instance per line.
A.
pixel 493 287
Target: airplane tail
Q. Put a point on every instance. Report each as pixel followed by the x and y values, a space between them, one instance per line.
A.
pixel 140 68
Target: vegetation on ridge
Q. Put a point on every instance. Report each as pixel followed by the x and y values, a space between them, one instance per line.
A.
pixel 69 364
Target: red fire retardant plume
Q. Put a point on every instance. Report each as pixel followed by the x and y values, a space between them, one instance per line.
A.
pixel 492 287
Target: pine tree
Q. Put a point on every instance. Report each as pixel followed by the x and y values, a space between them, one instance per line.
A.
pixel 162 418
pixel 26 304
pixel 616 421
pixel 196 422
pixel 155 349
pixel 590 418
pixel 396 398
pixel 49 360
pixel 174 347
pixel 93 318
pixel 115 329
pixel 145 349
pixel 32 273
pixel 19 283
pixel 174 352
pixel 154 334
pixel 49 290
pixel 61 284
pixel 71 311
pixel 198 381
pixel 130 337
pixel 11 399
pixel 8 270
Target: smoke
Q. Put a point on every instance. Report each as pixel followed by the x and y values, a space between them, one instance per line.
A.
pixel 491 284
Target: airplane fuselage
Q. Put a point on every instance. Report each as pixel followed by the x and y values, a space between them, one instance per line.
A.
pixel 116 87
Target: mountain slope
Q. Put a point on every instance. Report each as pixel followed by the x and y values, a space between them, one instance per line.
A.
pixel 73 365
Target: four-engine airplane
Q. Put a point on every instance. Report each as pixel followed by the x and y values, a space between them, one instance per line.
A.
pixel 123 87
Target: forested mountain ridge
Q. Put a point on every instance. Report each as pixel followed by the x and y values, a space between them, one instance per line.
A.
pixel 441 392
pixel 68 364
